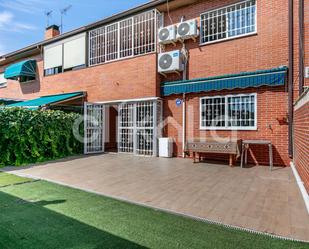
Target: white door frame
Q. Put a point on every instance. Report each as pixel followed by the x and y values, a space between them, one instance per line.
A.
pixel 97 128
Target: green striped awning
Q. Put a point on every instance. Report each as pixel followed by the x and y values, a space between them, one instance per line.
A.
pixel 271 77
pixel 47 100
pixel 22 68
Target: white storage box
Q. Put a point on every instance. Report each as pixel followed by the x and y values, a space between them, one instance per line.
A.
pixel 165 147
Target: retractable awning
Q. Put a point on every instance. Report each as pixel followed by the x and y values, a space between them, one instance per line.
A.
pixel 23 68
pixel 271 77
pixel 48 100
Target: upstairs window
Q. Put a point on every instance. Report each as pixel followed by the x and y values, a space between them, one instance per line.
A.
pixel 238 112
pixel 229 22
pixel 66 55
pixel 129 37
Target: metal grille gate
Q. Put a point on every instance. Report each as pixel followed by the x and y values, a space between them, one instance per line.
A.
pixel 126 128
pixel 137 128
pixel 93 128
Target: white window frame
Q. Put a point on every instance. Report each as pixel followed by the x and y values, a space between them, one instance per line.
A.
pixel 232 37
pixel 243 128
pixel 156 14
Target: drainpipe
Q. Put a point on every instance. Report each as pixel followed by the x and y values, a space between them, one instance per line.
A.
pixel 291 78
pixel 301 46
pixel 183 124
pixel 184 112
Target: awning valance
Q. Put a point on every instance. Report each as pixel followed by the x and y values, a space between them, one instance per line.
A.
pixel 23 68
pixel 47 100
pixel 271 77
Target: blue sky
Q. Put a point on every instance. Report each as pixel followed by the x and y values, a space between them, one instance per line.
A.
pixel 22 22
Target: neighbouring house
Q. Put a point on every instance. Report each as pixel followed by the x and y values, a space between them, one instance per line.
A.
pixel 204 68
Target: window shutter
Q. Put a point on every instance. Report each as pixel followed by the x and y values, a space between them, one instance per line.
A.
pixel 75 51
pixel 52 56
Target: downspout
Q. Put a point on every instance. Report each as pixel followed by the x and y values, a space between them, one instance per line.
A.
pixel 291 78
pixel 183 123
pixel 301 46
pixel 184 111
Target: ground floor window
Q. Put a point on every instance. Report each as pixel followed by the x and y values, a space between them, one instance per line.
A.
pixel 229 112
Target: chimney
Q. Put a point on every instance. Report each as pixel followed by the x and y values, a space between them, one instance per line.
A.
pixel 51 32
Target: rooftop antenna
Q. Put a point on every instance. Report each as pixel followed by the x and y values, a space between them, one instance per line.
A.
pixel 48 16
pixel 62 13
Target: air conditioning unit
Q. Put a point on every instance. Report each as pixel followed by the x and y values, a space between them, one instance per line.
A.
pixel 167 34
pixel 170 62
pixel 187 30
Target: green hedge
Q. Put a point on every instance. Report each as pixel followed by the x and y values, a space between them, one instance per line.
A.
pixel 34 136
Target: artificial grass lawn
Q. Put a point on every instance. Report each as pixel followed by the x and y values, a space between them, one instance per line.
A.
pixel 46 215
pixel 9 179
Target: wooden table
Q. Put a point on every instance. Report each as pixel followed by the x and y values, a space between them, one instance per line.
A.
pixel 245 146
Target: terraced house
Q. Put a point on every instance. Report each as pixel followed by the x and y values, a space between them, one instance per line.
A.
pixel 181 69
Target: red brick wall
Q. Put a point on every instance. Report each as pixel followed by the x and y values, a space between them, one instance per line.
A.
pixel 125 79
pixel 306 37
pixel 301 140
pixel 267 49
pixel 136 77
pixel 271 124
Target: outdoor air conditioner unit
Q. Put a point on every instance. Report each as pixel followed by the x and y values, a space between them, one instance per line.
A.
pixel 170 62
pixel 167 34
pixel 187 30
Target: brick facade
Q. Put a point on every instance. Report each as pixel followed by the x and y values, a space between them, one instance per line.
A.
pixel 137 77
pixel 301 111
pixel 125 79
pixel 267 49
pixel 301 139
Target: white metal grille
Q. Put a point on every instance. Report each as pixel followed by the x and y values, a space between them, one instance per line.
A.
pixel 93 123
pixel 213 112
pixel 138 127
pixel 145 127
pixel 231 21
pixel 229 112
pixel 97 46
pixel 126 128
pixel 126 38
pixel 241 111
pixel 144 142
pixel 126 41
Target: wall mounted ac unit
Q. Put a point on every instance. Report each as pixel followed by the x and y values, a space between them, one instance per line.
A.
pixel 170 62
pixel 167 34
pixel 187 30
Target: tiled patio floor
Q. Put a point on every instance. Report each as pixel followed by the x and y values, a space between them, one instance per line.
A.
pixel 253 198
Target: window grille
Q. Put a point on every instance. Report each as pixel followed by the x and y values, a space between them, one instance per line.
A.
pixel 126 128
pixel 228 22
pixel 126 38
pixel 229 112
pixel 139 127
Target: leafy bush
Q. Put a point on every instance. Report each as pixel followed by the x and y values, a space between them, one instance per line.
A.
pixel 34 136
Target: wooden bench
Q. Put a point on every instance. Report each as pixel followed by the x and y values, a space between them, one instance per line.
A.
pixel 230 147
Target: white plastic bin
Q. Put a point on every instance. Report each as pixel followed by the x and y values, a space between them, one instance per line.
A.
pixel 165 147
